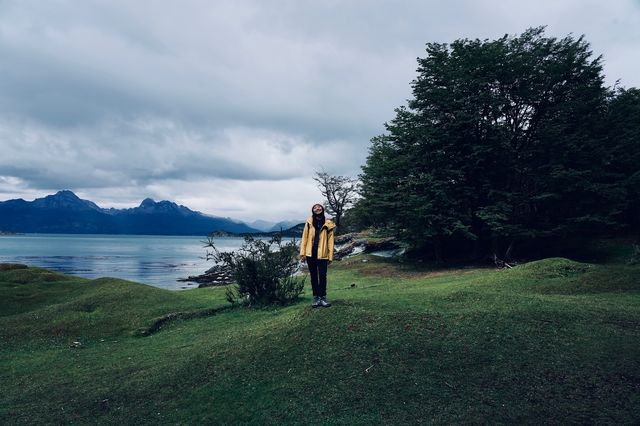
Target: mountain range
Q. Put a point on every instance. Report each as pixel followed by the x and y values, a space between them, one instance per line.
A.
pixel 267 226
pixel 66 213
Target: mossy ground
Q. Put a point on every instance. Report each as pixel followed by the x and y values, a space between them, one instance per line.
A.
pixel 553 341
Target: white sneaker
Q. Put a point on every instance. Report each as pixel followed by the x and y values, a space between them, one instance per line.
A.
pixel 324 303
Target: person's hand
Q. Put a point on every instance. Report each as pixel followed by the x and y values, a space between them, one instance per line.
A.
pixel 303 258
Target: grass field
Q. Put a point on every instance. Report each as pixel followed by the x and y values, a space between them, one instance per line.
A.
pixel 553 341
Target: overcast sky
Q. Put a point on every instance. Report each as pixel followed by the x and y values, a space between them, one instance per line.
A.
pixel 229 107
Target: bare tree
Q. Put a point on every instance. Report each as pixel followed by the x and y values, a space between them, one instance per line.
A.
pixel 339 191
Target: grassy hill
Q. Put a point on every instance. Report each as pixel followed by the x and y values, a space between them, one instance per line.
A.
pixel 552 341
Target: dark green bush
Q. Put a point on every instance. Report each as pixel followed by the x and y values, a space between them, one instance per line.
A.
pixel 263 271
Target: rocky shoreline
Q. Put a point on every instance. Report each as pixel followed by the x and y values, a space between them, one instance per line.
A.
pixel 217 275
pixel 12 266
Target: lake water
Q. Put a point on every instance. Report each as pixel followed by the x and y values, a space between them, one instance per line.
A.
pixel 154 260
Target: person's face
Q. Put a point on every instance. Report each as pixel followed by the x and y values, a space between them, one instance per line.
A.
pixel 317 209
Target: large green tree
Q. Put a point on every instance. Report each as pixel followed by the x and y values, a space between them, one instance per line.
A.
pixel 502 142
pixel 622 154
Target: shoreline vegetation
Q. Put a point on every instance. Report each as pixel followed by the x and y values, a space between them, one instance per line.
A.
pixel 552 340
pixel 347 245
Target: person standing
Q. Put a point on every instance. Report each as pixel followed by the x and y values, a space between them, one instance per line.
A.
pixel 316 248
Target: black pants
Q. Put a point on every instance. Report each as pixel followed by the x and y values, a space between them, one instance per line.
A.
pixel 318 272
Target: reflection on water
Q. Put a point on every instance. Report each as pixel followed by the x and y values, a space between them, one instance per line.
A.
pixel 155 260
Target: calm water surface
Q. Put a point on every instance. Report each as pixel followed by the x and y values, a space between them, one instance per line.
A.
pixel 154 260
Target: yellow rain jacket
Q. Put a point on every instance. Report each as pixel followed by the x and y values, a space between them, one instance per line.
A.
pixel 325 242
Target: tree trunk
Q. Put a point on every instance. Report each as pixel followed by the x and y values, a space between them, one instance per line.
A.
pixel 478 249
pixel 507 254
pixel 439 248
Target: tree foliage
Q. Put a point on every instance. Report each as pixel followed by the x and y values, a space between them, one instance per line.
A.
pixel 622 159
pixel 263 271
pixel 504 141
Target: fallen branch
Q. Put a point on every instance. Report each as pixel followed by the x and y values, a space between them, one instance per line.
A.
pixel 500 263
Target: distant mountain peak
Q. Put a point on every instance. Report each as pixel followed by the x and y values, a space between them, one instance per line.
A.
pixel 65 193
pixel 149 205
pixel 284 225
pixel 147 202
pixel 65 199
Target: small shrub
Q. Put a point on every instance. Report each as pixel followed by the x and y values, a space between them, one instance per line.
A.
pixel 263 271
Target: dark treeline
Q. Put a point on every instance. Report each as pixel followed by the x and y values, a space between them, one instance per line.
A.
pixel 509 147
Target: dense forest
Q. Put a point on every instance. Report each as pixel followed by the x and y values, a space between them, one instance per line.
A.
pixel 509 147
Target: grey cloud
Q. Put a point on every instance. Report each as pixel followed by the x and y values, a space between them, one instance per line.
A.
pixel 148 150
pixel 80 67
